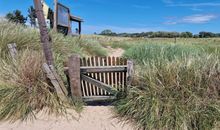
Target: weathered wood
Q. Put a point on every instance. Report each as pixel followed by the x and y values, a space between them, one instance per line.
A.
pixel 97 75
pixel 58 78
pixel 89 74
pixel 13 50
pixel 130 72
pixel 102 76
pixel 93 75
pixel 118 75
pixel 45 39
pixel 83 83
pixel 55 83
pixel 55 16
pixel 74 75
pixel 122 75
pixel 99 84
pixel 86 83
pixel 102 69
pixel 110 74
pixel 98 98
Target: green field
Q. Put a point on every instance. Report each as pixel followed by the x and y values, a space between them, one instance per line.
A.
pixel 175 86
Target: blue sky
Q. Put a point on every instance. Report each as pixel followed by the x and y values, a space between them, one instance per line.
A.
pixel 136 15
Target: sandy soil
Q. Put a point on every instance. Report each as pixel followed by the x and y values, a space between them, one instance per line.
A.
pixel 118 52
pixel 92 118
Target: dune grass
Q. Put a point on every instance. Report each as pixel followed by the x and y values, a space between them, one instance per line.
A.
pixel 176 87
pixel 24 90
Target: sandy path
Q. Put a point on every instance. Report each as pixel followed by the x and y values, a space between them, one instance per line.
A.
pixel 118 52
pixel 92 118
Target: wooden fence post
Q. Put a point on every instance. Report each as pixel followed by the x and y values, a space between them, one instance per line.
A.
pixel 130 72
pixel 74 75
pixel 13 51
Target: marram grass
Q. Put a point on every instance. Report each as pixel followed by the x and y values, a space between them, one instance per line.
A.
pixel 24 91
pixel 173 89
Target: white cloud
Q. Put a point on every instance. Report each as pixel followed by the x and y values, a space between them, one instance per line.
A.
pixel 192 19
pixel 168 1
pixel 192 6
pixel 198 18
pixel 89 29
pixel 195 4
pixel 141 7
pixel 170 23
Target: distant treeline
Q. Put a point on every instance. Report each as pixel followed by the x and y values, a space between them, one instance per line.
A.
pixel 162 34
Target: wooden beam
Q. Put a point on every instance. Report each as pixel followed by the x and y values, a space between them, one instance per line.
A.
pixel 74 75
pixel 54 81
pixel 98 98
pixel 13 51
pixel 80 29
pixel 55 16
pixel 99 84
pixel 45 39
pixel 58 78
pixel 100 69
pixel 130 72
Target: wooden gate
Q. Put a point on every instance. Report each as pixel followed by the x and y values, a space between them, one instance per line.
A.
pixel 98 78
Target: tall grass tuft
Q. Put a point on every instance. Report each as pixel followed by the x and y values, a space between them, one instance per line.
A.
pixel 24 90
pixel 176 88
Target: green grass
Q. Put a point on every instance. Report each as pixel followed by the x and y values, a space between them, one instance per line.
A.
pixel 24 90
pixel 176 87
pixel 150 52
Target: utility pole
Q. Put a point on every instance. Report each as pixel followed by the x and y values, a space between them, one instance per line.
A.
pixel 55 16
pixel 45 39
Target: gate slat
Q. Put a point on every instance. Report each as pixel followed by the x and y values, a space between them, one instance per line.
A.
pixel 125 76
pixel 102 74
pixel 82 81
pixel 118 74
pixel 97 63
pixel 104 62
pixel 89 74
pixel 114 74
pixel 122 75
pixel 93 76
pixel 87 84
pixel 110 74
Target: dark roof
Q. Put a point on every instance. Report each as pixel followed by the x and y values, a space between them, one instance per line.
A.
pixel 77 19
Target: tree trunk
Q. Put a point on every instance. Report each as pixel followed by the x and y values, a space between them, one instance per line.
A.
pixel 45 39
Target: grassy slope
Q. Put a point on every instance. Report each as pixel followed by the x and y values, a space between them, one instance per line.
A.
pixel 23 88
